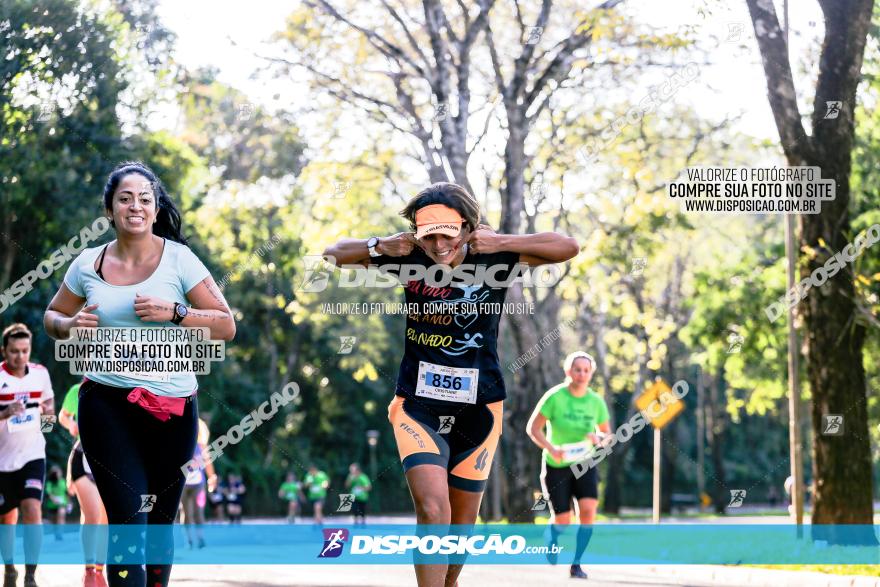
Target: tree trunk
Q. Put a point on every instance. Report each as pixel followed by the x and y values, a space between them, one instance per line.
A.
pixel 513 192
pixel 842 465
pixel 542 372
pixel 842 475
pixel 716 426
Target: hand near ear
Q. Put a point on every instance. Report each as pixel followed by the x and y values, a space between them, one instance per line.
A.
pixel 484 240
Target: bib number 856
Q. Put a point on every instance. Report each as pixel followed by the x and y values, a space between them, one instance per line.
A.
pixel 445 381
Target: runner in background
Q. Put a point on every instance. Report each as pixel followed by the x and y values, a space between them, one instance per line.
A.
pixel 291 492
pixel 317 482
pixel 235 491
pixel 217 499
pixel 359 485
pixel 80 483
pixel 25 394
pixel 575 416
pixel 447 412
pixel 192 502
pixel 56 499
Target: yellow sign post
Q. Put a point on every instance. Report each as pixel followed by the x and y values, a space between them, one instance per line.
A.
pixel 666 408
pixel 660 406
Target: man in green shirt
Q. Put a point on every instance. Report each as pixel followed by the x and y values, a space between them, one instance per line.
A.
pixel 317 483
pixel 291 492
pixel 360 487
pixel 56 494
pixel 574 415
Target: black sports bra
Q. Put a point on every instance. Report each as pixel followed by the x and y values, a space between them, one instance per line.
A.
pixel 101 262
pixel 104 251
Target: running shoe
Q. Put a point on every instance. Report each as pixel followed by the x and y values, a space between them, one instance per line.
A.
pixel 30 581
pixel 100 581
pixel 90 578
pixel 576 572
pixel 9 578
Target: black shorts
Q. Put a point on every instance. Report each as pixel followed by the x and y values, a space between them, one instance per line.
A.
pixel 462 438
pixel 560 485
pixel 359 508
pixel 76 467
pixel 25 483
pixel 215 498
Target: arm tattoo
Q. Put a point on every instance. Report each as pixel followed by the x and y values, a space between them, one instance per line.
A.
pixel 212 314
pixel 214 291
pixel 206 314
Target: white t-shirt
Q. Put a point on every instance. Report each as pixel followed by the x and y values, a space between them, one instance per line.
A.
pixel 21 440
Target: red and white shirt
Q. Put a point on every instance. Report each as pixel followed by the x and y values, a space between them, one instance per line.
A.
pixel 21 440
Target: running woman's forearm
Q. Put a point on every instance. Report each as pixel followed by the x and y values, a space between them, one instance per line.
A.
pixel 57 324
pixel 220 322
pixel 349 251
pixel 537 436
pixel 66 420
pixel 209 469
pixel 552 246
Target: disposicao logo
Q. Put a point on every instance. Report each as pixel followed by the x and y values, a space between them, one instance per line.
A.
pixel 334 540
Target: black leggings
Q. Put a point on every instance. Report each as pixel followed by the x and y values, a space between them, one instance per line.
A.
pixel 133 453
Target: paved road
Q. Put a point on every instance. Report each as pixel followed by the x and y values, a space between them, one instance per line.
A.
pixel 370 576
pixel 481 575
pixel 473 576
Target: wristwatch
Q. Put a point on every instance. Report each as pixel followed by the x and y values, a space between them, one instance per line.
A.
pixel 180 312
pixel 371 245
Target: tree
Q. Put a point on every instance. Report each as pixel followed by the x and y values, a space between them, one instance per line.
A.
pixel 55 136
pixel 64 78
pixel 834 331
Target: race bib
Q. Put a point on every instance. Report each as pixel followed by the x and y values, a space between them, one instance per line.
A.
pixel 576 451
pixel 29 420
pixel 451 384
pixel 194 477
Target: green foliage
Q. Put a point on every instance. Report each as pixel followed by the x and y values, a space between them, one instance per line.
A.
pixel 254 209
pixel 236 135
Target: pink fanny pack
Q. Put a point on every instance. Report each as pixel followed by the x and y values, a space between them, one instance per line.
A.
pixel 158 405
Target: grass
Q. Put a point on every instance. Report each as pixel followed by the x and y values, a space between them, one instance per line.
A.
pixel 869 570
